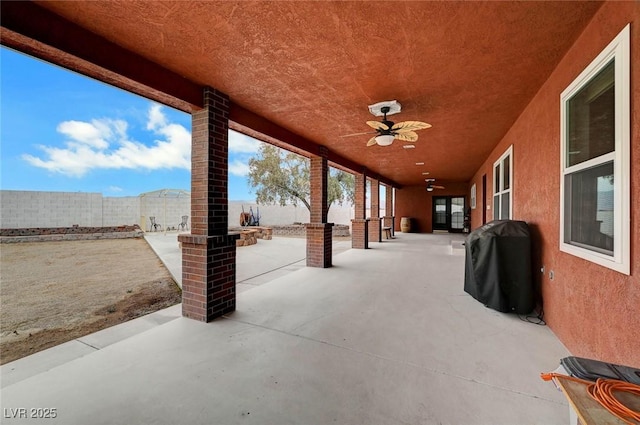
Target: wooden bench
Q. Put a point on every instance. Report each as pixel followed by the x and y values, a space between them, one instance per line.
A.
pixel 584 410
pixel 387 232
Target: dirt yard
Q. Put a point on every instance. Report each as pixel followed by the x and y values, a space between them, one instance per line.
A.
pixel 53 292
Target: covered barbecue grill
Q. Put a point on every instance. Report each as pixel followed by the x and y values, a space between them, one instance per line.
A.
pixel 498 266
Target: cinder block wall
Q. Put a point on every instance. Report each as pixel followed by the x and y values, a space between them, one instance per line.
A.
pixel 121 211
pixel 50 209
pixel 168 211
pixel 273 215
pixel 27 209
pixel 269 214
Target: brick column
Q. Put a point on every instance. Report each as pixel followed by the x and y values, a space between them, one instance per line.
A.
pixel 209 252
pixel 359 224
pixel 388 209
pixel 319 235
pixel 375 231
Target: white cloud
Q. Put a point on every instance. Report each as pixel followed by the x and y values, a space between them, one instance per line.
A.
pixel 240 143
pixel 114 189
pixel 156 118
pixel 93 134
pixel 104 144
pixel 241 148
pixel 238 168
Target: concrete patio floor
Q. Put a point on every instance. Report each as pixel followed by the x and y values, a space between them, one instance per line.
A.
pixel 255 264
pixel 386 336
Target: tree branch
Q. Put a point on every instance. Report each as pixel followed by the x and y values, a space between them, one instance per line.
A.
pixel 295 194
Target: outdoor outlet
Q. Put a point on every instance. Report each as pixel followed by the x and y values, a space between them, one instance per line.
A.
pixel 551 274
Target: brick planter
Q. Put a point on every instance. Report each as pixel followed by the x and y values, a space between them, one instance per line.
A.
pixel 250 235
pixel 74 233
pixel 247 237
pixel 300 230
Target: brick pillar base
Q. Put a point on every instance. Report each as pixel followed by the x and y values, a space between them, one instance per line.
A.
pixel 375 233
pixel 359 234
pixel 208 275
pixel 388 221
pixel 319 244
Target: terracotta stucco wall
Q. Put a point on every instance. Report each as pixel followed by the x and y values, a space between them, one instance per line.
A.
pixel 593 310
pixel 415 202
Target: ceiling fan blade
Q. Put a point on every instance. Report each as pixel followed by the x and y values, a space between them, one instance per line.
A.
pixel 437 187
pixel 405 126
pixel 407 136
pixel 372 141
pixel 358 134
pixel 377 125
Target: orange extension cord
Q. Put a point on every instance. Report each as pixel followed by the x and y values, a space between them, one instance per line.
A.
pixel 602 392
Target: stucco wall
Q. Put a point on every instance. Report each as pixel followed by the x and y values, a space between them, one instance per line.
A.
pixel 593 310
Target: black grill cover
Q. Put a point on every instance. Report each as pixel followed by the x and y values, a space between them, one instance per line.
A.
pixel 498 266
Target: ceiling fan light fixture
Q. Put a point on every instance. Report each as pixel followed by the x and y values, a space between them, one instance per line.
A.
pixel 429 188
pixel 384 139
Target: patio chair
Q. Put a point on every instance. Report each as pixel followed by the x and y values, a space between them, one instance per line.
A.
pixel 154 226
pixel 184 225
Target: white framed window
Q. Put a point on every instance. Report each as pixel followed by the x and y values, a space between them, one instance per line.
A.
pixel 473 197
pixel 502 182
pixel 595 151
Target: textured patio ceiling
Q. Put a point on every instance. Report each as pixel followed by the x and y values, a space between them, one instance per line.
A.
pixel 311 68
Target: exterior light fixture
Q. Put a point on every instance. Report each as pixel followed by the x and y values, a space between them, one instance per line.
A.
pixel 384 139
pixel 429 185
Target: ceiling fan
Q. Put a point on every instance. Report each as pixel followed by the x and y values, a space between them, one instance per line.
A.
pixel 388 131
pixel 431 186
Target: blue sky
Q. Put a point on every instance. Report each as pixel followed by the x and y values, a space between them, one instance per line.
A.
pixel 61 131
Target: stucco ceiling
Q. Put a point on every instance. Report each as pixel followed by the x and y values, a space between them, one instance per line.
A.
pixel 467 68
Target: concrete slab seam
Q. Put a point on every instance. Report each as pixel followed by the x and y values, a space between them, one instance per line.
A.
pixel 405 363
